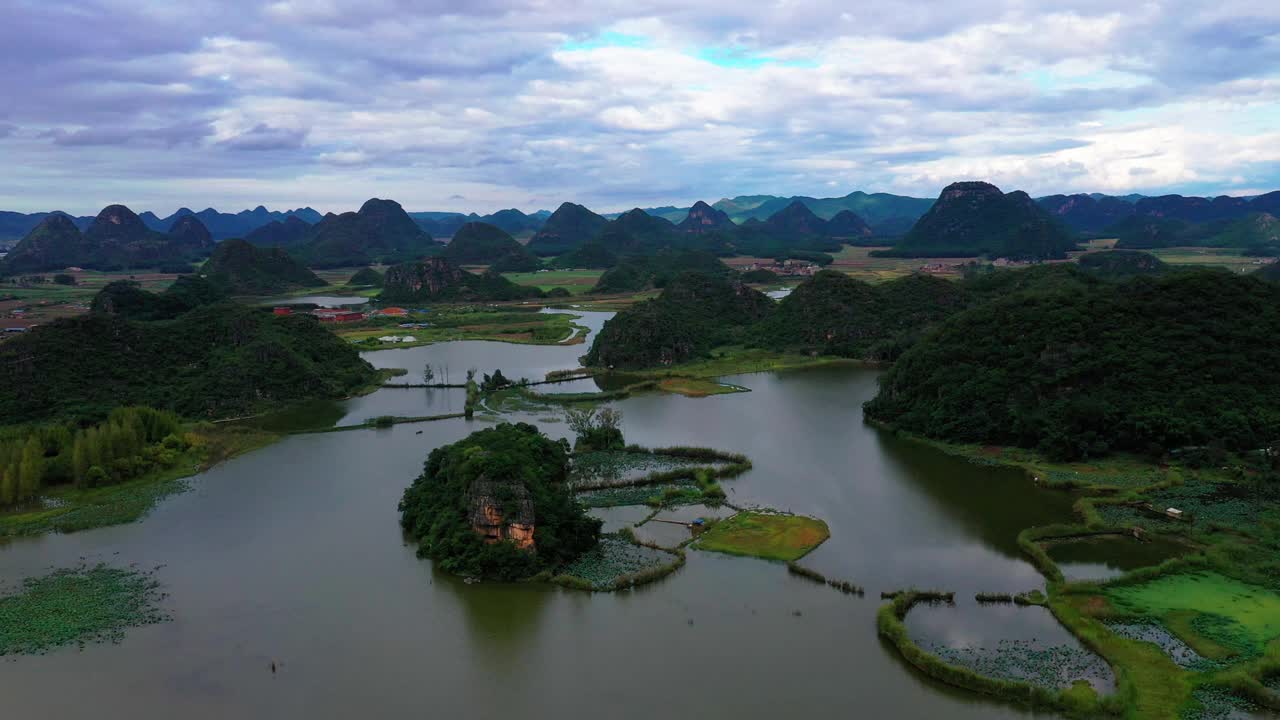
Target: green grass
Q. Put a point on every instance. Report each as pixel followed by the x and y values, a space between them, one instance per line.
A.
pixel 575 281
pixel 1252 613
pixel 76 606
pixel 737 361
pixel 765 535
pixel 525 327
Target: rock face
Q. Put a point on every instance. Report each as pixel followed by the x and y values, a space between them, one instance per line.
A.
pixel 487 500
pixel 703 218
pixel 430 277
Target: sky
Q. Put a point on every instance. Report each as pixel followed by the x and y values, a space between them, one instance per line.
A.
pixel 478 105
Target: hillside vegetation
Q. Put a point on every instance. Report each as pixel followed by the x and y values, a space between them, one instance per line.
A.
pixel 1147 365
pixel 215 361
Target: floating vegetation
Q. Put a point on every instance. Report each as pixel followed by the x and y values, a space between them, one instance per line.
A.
pixel 1221 503
pixel 1233 615
pixel 633 494
pixel 1217 703
pixel 79 605
pixel 843 586
pixel 765 535
pixel 621 467
pixel 983 597
pixel 1035 597
pixel 616 563
pixel 1177 650
pixel 1056 666
pixel 100 507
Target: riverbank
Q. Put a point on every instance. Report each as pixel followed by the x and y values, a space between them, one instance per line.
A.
pixel 68 508
pixel 1226 521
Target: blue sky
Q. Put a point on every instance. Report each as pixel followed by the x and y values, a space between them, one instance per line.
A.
pixel 486 104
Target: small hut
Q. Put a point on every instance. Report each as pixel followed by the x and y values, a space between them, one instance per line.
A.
pixel 487 499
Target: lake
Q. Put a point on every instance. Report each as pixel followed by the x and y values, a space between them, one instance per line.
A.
pixel 293 555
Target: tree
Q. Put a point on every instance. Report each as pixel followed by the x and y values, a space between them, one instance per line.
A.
pixel 428 375
pixel 64 279
pixel 597 429
pixel 31 469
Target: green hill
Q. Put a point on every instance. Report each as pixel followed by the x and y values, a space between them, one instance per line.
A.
pixel 1147 365
pixel 127 299
pixel 439 279
pixel 381 232
pixel 281 233
pixel 54 244
pixel 695 313
pixel 239 268
pixel 478 243
pixel 568 227
pixel 215 361
pixel 703 218
pixel 638 232
pixel 366 277
pixel 833 314
pixel 971 219
pixel 645 272
pixel 591 255
pixel 191 236
pixel 497 504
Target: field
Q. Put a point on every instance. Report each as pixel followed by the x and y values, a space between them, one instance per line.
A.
pixel 768 536
pixel 1206 606
pixel 502 324
pixel 27 304
pixel 1230 258
pixel 575 281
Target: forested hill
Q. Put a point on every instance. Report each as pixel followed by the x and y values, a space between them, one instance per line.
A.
pixel 1079 370
pixel 215 361
pixel 239 268
pixel 439 279
pixel 975 218
pixel 695 313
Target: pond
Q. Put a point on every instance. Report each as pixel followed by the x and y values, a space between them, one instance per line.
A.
pixel 1108 556
pixel 293 555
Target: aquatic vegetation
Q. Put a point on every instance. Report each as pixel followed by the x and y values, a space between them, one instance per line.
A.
pixel 1247 616
pixel 634 494
pixel 765 535
pixel 1217 703
pixel 1053 666
pixel 80 605
pixel 617 562
pixel 1177 650
pixel 843 586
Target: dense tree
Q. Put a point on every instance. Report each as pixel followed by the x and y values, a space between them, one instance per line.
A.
pixel 505 475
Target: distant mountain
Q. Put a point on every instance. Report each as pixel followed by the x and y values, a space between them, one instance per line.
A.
pixel 240 268
pixel 1087 213
pixel 637 232
pixel 54 244
pixel 479 243
pixel 568 227
pixel 1192 209
pixel 796 219
pixel 702 218
pixel 15 226
pixel 380 232
pixel 191 236
pixel 287 233
pixel 975 218
pixel 438 279
pixel 886 214
pixel 445 224
pixel 847 224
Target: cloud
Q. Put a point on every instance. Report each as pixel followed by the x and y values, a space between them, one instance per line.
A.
pixel 478 104
pixel 264 137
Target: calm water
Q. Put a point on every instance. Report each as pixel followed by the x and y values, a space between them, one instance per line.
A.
pixel 293 554
pixel 1106 557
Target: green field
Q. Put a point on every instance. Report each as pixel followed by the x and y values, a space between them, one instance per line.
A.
pixel 1229 258
pixel 764 535
pixel 575 281
pixel 1241 617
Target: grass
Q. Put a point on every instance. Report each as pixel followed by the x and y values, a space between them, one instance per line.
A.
pixel 576 282
pixel 737 361
pixel 765 535
pixel 76 606
pixel 69 509
pixel 506 324
pixel 697 387
pixel 1250 615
